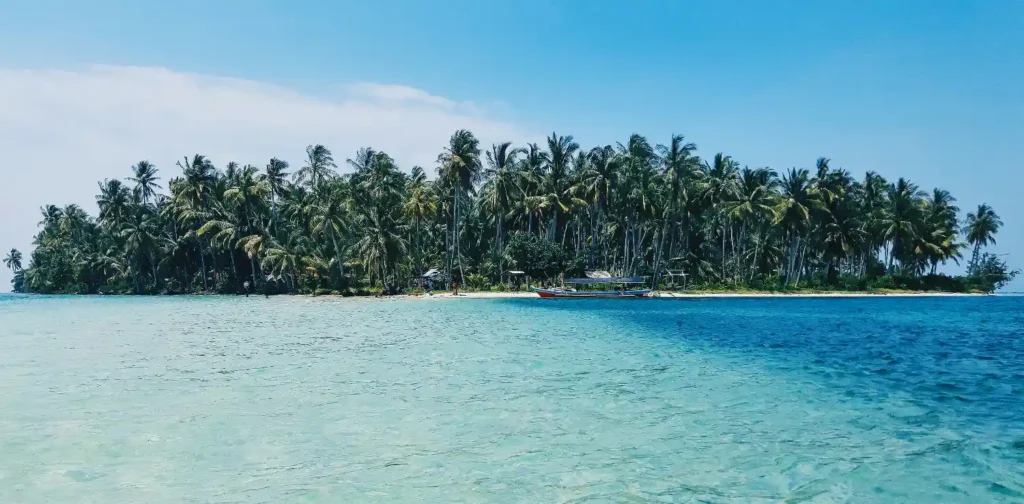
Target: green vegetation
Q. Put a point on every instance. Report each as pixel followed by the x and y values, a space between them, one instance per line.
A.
pixel 633 208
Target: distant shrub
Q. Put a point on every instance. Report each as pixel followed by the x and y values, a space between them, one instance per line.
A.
pixel 477 282
pixel 852 283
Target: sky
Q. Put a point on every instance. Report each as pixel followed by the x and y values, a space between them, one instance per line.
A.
pixel 928 90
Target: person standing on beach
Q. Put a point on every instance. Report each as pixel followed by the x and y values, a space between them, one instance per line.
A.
pixel 455 289
pixel 248 287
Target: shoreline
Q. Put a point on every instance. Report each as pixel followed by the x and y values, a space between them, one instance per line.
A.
pixel 532 295
pixel 701 295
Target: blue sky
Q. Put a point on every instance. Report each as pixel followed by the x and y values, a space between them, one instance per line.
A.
pixel 923 89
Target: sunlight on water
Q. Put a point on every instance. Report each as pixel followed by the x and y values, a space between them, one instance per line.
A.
pixel 191 399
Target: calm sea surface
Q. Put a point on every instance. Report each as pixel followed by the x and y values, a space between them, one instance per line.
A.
pixel 291 399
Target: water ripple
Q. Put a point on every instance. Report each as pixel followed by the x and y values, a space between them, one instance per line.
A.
pixel 293 399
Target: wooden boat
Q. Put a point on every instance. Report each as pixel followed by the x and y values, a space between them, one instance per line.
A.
pixel 563 292
pixel 570 293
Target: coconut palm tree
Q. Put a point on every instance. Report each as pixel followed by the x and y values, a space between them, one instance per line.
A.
pixel 13 260
pixel 420 207
pixel 114 202
pixel 276 175
pixel 900 225
pixel 797 201
pixel 504 183
pixel 319 167
pixel 330 220
pixel 754 205
pixel 144 176
pixel 191 198
pixel 140 237
pixel 460 169
pixel 981 227
pixel 721 185
pixel 556 184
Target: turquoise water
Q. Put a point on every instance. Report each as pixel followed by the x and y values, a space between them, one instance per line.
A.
pixel 289 399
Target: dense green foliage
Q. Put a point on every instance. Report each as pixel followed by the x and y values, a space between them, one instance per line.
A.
pixel 633 208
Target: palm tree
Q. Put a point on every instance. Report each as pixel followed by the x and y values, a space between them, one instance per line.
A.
pixel 276 174
pixel 798 199
pixel 680 169
pixel 460 169
pixel 596 185
pixel 140 238
pixel 721 186
pixel 114 203
pixel 226 234
pixel 556 183
pixel 504 185
pixel 13 260
pixel 639 188
pixel 981 227
pixel 755 204
pixel 255 246
pixel 873 202
pixel 144 176
pixel 939 235
pixel 285 260
pixel 900 224
pixel 319 167
pixel 329 219
pixel 191 197
pixel 420 207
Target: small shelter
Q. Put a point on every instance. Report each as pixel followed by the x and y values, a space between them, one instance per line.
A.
pixel 518 276
pixel 672 274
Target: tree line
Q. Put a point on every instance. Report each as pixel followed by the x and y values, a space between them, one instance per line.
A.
pixel 633 208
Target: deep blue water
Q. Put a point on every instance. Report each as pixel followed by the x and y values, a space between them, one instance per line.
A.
pixel 221 399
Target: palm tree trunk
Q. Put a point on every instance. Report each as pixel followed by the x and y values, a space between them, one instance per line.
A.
pixel 723 250
pixel 341 263
pixel 657 254
pixel 794 244
pixel 202 262
pixel 800 262
pixel 152 265
pixel 972 266
pixel 457 239
pixel 135 274
pixel 234 267
pixel 497 239
pixel 625 249
pixel 753 263
pixel 889 254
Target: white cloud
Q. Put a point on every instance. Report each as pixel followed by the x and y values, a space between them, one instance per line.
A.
pixel 62 131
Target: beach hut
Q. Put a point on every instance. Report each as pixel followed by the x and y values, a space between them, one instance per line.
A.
pixel 672 274
pixel 516 275
pixel 431 276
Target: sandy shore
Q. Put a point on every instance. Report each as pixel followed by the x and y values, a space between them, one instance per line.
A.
pixel 696 295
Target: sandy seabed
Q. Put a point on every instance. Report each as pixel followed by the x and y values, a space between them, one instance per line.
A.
pixel 694 295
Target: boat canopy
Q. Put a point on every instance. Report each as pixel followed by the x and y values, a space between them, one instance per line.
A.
pixel 610 279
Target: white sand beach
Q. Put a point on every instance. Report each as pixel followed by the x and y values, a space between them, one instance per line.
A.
pixel 696 295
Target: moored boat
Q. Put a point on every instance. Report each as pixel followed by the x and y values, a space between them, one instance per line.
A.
pixel 598 278
pixel 569 293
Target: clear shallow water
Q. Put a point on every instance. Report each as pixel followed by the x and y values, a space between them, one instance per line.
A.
pixel 311 400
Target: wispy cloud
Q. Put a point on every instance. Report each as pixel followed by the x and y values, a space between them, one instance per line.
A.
pixel 61 131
